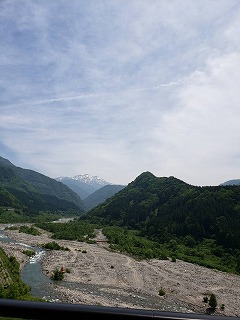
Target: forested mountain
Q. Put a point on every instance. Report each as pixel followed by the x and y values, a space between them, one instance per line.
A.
pixel 34 191
pixel 231 182
pixel 167 208
pixel 101 195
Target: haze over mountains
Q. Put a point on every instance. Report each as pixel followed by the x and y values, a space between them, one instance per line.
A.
pixel 91 189
pixel 100 195
pixel 34 191
pixel 83 185
pixel 233 182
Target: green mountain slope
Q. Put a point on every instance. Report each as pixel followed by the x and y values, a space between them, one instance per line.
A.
pixel 36 191
pixel 164 208
pixel 101 195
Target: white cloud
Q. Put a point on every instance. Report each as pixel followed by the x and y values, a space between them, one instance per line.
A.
pixel 204 132
pixel 117 88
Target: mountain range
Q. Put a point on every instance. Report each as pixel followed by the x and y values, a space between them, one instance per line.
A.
pixel 33 191
pixel 91 189
pixel 83 185
pixel 199 224
pixel 36 192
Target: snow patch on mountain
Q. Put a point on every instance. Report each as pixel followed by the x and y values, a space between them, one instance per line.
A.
pixel 62 178
pixel 94 181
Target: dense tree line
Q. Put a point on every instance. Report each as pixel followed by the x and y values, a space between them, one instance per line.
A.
pixel 11 215
pixel 129 241
pixel 72 230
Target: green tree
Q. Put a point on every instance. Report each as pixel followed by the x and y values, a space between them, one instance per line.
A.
pixel 161 292
pixel 213 301
pixel 57 275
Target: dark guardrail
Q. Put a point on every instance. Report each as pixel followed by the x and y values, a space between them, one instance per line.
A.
pixel 53 310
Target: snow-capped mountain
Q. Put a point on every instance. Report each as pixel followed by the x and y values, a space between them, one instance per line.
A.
pixel 92 180
pixel 83 184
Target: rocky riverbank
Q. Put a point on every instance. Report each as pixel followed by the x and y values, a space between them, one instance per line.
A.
pixel 101 277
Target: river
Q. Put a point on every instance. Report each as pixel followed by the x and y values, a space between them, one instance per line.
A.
pixel 41 285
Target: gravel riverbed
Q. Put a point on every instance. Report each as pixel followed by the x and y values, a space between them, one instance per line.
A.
pixel 101 277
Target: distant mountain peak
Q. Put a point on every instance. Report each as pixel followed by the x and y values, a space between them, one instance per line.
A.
pixel 90 179
pixel 231 182
pixel 86 183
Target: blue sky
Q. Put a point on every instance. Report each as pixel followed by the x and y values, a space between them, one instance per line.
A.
pixel 118 87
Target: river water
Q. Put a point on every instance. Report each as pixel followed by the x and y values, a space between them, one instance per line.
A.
pixel 43 287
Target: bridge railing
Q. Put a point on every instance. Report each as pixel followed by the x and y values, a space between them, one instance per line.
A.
pixel 53 310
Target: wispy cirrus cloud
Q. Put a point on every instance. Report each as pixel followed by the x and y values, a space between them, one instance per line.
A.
pixel 33 103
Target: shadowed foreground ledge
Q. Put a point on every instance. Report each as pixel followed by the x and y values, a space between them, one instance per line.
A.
pixel 48 310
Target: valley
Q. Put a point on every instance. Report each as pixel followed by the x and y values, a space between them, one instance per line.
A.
pixel 99 276
pixel 170 244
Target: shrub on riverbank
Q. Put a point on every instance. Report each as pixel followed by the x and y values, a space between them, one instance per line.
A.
pixel 57 275
pixel 29 253
pixel 30 230
pixel 54 246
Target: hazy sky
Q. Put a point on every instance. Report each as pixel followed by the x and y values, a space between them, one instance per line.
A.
pixel 118 87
